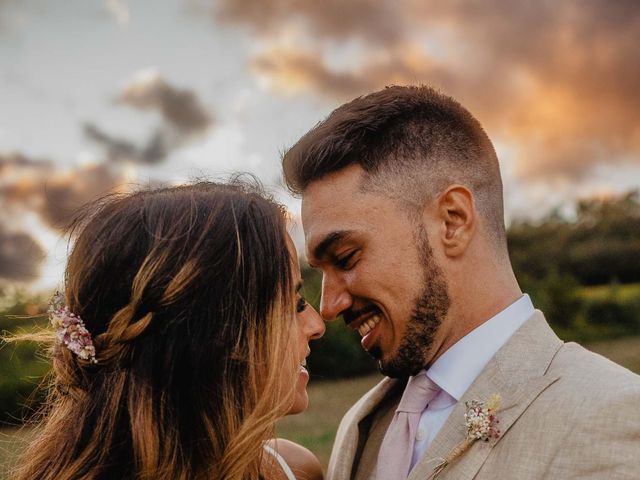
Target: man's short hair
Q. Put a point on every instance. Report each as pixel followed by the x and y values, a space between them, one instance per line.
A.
pixel 412 142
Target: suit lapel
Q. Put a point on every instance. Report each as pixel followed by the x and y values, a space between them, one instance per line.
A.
pixel 517 373
pixel 348 438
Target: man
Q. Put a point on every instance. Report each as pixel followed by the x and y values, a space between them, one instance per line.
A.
pixel 402 211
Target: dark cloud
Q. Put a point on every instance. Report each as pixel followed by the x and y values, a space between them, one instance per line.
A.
pixel 378 22
pixel 556 79
pixel 64 194
pixel 55 193
pixel 15 160
pixel 20 256
pixel 179 107
pixel 182 113
pixel 120 150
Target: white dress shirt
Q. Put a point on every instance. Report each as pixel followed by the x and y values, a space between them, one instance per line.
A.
pixel 460 365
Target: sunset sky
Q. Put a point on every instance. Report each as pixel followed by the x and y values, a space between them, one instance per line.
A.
pixel 98 94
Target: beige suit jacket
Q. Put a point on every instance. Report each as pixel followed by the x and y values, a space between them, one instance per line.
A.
pixel 566 413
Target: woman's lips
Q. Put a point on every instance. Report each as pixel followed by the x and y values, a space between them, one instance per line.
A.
pixel 303 367
pixel 303 374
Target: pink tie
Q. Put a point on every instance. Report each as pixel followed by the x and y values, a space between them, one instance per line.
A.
pixel 396 450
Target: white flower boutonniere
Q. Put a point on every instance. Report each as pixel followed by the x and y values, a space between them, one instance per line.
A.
pixel 481 423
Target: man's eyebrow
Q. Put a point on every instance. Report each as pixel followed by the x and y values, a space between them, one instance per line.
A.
pixel 328 241
pixel 298 287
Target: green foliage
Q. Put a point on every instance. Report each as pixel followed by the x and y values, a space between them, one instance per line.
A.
pixel 338 353
pixel 557 296
pixel 600 245
pixel 615 312
pixel 22 369
pixel 587 314
pixel 623 293
pixel 554 258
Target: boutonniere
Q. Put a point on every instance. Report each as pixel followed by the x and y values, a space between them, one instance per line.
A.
pixel 481 424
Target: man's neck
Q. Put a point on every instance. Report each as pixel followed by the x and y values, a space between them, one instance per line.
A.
pixel 469 312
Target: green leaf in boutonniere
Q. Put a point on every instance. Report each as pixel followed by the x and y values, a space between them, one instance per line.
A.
pixel 481 423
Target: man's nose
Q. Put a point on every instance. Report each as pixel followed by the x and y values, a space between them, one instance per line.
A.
pixel 335 297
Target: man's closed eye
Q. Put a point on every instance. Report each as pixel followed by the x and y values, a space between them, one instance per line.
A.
pixel 345 262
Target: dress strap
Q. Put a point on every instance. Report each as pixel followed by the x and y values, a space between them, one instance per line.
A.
pixel 282 462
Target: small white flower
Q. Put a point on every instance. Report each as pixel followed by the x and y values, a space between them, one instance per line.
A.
pixel 481 424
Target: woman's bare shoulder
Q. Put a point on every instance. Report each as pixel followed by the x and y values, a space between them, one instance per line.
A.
pixel 304 464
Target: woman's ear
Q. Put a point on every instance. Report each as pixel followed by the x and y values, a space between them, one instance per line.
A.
pixel 456 212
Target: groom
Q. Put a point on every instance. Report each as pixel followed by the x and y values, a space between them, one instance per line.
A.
pixel 402 212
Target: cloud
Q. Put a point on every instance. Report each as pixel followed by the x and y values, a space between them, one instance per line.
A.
pixel 12 161
pixel 8 14
pixel 119 10
pixel 293 71
pixel 120 150
pixel 66 192
pixel 54 193
pixel 556 79
pixel 180 108
pixel 377 22
pixel 39 199
pixel 184 119
pixel 20 256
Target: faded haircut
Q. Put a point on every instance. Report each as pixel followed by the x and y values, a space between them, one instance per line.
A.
pixel 412 142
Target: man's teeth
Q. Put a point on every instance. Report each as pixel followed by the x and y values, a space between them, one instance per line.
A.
pixel 369 325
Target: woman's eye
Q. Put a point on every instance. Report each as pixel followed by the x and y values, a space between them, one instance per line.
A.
pixel 301 305
pixel 343 262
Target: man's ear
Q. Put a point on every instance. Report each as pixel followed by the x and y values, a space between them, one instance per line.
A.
pixel 457 216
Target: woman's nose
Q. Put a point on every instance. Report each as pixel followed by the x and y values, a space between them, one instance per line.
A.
pixel 315 327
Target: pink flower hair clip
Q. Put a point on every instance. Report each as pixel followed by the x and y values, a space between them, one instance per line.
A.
pixel 70 329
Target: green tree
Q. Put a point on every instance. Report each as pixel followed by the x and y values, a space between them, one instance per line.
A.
pixel 338 353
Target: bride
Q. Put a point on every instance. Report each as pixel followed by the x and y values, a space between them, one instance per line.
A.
pixel 179 341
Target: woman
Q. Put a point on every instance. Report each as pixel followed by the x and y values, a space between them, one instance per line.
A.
pixel 182 343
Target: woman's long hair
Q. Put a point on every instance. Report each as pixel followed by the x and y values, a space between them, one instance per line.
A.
pixel 188 295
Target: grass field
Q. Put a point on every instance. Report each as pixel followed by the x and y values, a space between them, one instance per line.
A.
pixel 316 427
pixel 328 402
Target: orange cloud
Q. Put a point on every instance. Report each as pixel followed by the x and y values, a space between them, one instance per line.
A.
pixel 55 193
pixel 557 79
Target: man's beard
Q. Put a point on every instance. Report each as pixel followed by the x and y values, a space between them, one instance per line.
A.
pixel 430 308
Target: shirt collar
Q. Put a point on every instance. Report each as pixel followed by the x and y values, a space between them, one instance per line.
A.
pixel 460 365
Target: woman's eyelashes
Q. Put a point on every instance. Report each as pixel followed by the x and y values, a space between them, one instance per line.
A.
pixel 301 306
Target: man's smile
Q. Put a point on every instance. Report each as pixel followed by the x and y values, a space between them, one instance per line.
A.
pixel 369 324
pixel 364 321
pixel 356 319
